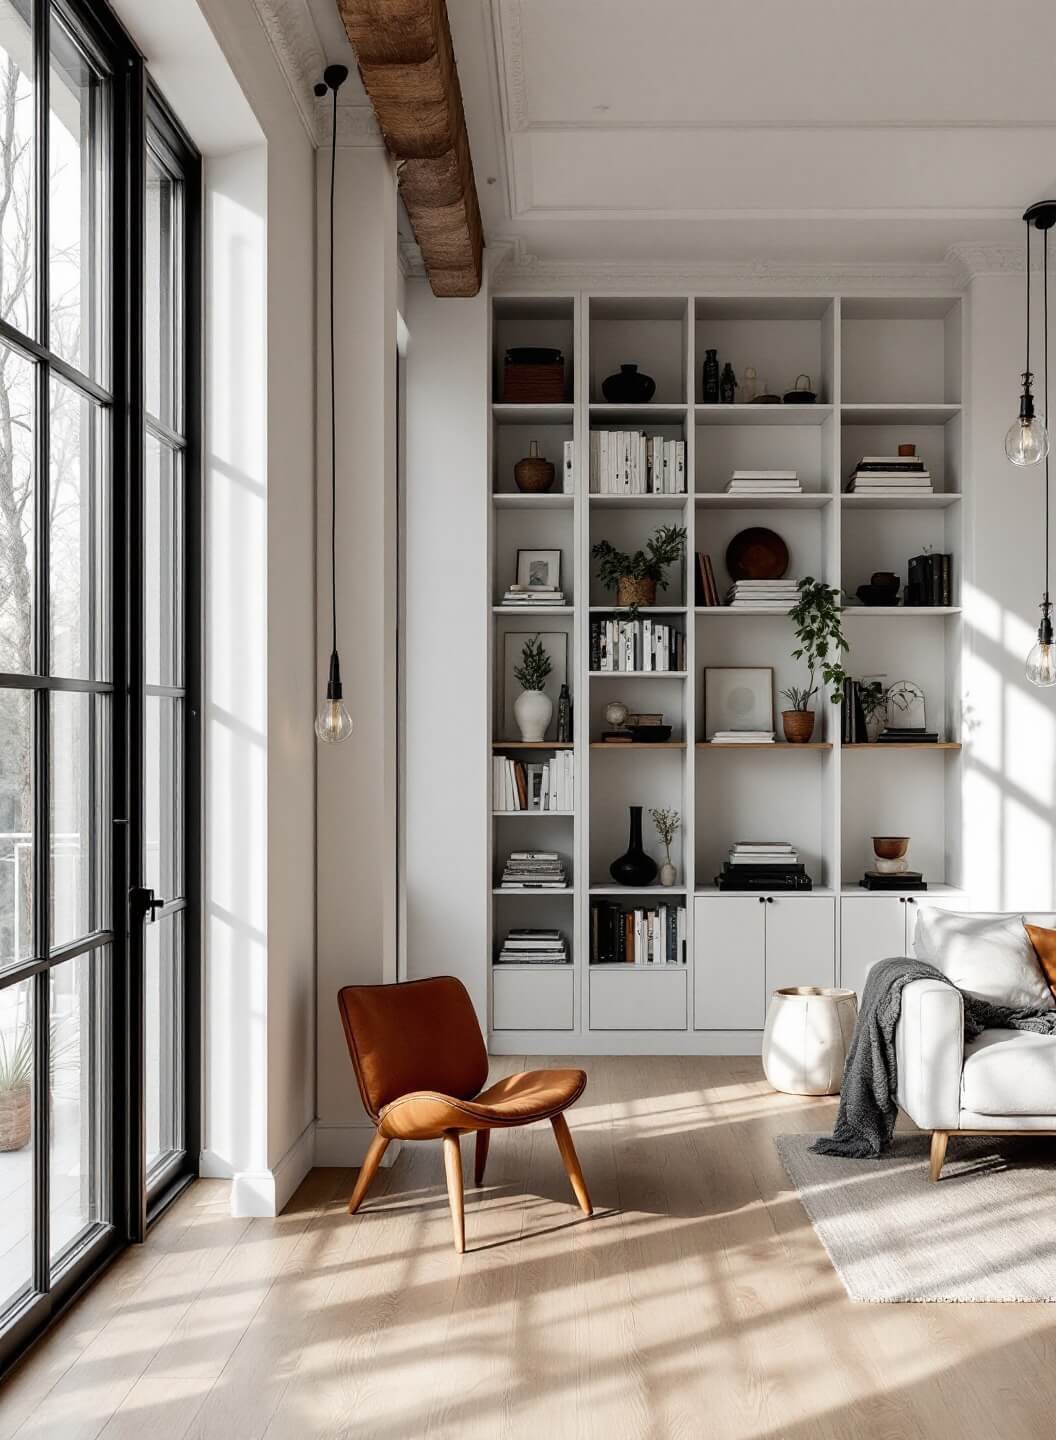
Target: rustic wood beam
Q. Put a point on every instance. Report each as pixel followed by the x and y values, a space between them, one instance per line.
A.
pixel 407 64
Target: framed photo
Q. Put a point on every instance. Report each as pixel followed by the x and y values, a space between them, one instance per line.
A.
pixel 738 698
pixel 539 569
pixel 555 643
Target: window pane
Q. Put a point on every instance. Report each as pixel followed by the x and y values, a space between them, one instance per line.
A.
pixel 163 751
pixel 16 1141
pixel 79 815
pixel 163 984
pixel 79 1096
pixel 16 826
pixel 17 500
pixel 17 150
pixel 78 194
pixel 79 542
pixel 163 566
pixel 160 291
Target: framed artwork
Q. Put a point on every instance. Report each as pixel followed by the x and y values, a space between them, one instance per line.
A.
pixel 555 643
pixel 539 569
pixel 738 698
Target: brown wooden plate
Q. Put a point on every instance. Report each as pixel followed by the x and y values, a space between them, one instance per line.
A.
pixel 757 554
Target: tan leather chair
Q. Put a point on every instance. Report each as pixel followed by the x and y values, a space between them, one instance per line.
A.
pixel 420 1063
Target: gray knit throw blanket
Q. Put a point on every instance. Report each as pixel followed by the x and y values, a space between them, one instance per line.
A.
pixel 868 1107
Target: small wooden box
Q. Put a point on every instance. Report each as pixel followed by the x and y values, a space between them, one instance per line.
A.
pixel 533 384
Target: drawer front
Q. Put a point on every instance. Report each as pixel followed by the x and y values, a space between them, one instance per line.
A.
pixel 638 999
pixel 532 999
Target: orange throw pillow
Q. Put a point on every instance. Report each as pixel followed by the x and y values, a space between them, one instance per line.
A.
pixel 1044 942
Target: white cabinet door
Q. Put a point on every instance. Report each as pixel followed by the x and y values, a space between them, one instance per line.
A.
pixel 872 927
pixel 729 953
pixel 800 941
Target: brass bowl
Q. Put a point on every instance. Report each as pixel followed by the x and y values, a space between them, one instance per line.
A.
pixel 890 847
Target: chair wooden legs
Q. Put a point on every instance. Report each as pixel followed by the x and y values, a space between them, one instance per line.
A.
pixel 368 1170
pixel 481 1161
pixel 571 1159
pixel 939 1139
pixel 453 1166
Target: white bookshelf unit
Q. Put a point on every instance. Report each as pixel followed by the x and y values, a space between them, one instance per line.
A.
pixel 886 370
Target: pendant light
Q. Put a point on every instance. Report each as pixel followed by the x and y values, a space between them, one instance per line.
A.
pixel 1041 662
pixel 333 722
pixel 1027 440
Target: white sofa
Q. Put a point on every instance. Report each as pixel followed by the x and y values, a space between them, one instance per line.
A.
pixel 1003 1082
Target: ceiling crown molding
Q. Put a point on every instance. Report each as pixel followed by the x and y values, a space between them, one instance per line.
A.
pixel 971 258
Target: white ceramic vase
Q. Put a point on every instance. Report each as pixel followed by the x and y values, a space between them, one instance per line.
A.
pixel 668 873
pixel 532 710
pixel 806 1039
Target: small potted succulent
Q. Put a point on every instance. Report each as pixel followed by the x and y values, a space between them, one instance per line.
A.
pixel 816 616
pixel 533 708
pixel 667 823
pixel 635 577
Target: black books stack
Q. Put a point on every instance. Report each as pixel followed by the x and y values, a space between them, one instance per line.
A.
pixel 533 597
pixel 534 870
pixel 655 936
pixel 930 580
pixel 907 735
pixel 534 947
pixel 897 476
pixel 763 865
pixel 907 880
pixel 852 715
pixel 636 645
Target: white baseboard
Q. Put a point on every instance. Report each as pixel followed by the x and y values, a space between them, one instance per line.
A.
pixel 263 1193
pixel 344 1147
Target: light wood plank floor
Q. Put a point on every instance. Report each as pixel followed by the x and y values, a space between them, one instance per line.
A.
pixel 697 1303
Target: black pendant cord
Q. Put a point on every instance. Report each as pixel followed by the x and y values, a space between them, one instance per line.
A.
pixel 1026 367
pixel 1045 386
pixel 333 405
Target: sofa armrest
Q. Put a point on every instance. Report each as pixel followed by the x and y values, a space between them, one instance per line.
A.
pixel 929 1049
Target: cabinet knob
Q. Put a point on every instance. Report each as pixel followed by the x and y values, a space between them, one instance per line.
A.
pixel 769 899
pixel 762 899
pixel 910 900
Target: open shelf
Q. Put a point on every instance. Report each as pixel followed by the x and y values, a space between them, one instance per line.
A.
pixel 531 893
pixel 523 610
pixel 721 501
pixel 638 745
pixel 761 414
pixel 645 610
pixel 637 675
pixel 924 414
pixel 903 745
pixel 639 502
pixel 637 414
pixel 902 612
pixel 507 413
pixel 532 744
pixel 782 745
pixel 609 891
pixel 549 500
pixel 533 814
pixel 937 501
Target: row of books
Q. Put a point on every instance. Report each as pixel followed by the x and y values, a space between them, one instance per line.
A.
pixel 534 870
pixel 895 475
pixel 636 645
pixel 930 580
pixel 706 588
pixel 550 785
pixel 763 594
pixel 528 946
pixel 533 595
pixel 853 729
pixel 626 462
pixel 646 936
pixel 764 482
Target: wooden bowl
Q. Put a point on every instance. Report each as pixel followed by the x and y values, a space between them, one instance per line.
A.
pixel 757 554
pixel 890 847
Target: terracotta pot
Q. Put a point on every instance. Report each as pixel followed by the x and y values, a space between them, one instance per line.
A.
pixel 798 725
pixel 635 592
pixel 16 1118
pixel 890 847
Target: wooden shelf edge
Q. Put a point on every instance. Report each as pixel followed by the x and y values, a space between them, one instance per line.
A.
pixel 638 745
pixel 762 745
pixel 902 745
pixel 533 744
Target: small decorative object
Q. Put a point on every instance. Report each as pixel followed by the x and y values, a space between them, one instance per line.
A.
pixel 727 384
pixel 881 590
pixel 890 854
pixel 756 554
pixel 616 713
pixel 710 380
pixel 533 375
pixel 807 1035
pixel 539 569
pixel 800 394
pixel 738 697
pixel 667 823
pixel 628 387
pixel 907 452
pixel 16 1089
pixel 635 577
pixel 750 386
pixel 905 706
pixel 1027 440
pixel 765 397
pixel 564 715
pixel 634 866
pixel 533 708
pixel 816 617
pixel 555 645
pixel 534 474
pixel 872 693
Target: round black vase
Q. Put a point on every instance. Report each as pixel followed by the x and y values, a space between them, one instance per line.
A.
pixel 628 387
pixel 634 867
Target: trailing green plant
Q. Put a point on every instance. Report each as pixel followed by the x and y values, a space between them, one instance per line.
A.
pixel 817 616
pixel 667 823
pixel 663 548
pixel 535 667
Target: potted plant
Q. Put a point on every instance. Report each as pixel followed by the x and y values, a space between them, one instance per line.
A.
pixel 816 616
pixel 532 709
pixel 16 1088
pixel 635 577
pixel 667 823
pixel 874 706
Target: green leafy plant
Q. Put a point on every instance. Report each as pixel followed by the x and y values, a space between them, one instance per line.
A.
pixel 16 1060
pixel 535 667
pixel 816 616
pixel 663 548
pixel 667 823
pixel 871 693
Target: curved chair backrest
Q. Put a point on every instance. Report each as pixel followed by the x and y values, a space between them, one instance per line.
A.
pixel 420 1035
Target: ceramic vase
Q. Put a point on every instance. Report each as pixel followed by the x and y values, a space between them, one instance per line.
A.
pixel 668 873
pixel 628 387
pixel 634 867
pixel 533 710
pixel 808 1033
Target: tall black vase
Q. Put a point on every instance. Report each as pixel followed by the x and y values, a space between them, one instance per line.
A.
pixel 634 867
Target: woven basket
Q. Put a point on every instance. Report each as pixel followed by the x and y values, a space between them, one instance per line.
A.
pixel 16 1118
pixel 798 725
pixel 533 474
pixel 533 384
pixel 635 592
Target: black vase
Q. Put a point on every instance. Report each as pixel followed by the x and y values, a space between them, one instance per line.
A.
pixel 629 387
pixel 634 867
pixel 710 377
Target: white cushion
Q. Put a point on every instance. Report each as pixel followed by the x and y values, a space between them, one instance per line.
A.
pixel 1010 1072
pixel 986 955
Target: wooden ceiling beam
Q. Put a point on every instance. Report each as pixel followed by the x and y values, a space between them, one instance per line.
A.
pixel 407 64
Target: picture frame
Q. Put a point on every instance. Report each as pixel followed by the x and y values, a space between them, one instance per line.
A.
pixel 539 569
pixel 906 709
pixel 738 697
pixel 555 643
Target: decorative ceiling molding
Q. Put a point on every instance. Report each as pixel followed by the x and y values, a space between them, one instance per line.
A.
pixel 508 28
pixel 968 259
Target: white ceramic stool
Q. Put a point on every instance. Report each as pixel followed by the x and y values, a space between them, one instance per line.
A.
pixel 806 1039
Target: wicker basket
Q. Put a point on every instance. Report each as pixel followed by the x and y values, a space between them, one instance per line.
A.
pixel 534 474
pixel 533 384
pixel 798 726
pixel 635 592
pixel 16 1118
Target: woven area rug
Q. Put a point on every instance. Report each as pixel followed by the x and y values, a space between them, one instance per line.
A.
pixel 985 1232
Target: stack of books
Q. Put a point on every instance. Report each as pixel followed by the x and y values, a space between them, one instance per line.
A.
pixel 706 588
pixel 764 482
pixel 895 475
pixel 654 936
pixel 763 594
pixel 623 462
pixel 532 596
pixel 547 786
pixel 930 580
pixel 636 645
pixel 534 870
pixel 763 865
pixel 908 735
pixel 905 880
pixel 743 737
pixel 534 947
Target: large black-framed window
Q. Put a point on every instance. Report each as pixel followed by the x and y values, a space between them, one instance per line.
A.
pixel 99 216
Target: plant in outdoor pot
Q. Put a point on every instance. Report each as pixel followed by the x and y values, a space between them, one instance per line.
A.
pixel 16 1088
pixel 635 577
pixel 667 823
pixel 816 616
pixel 533 709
